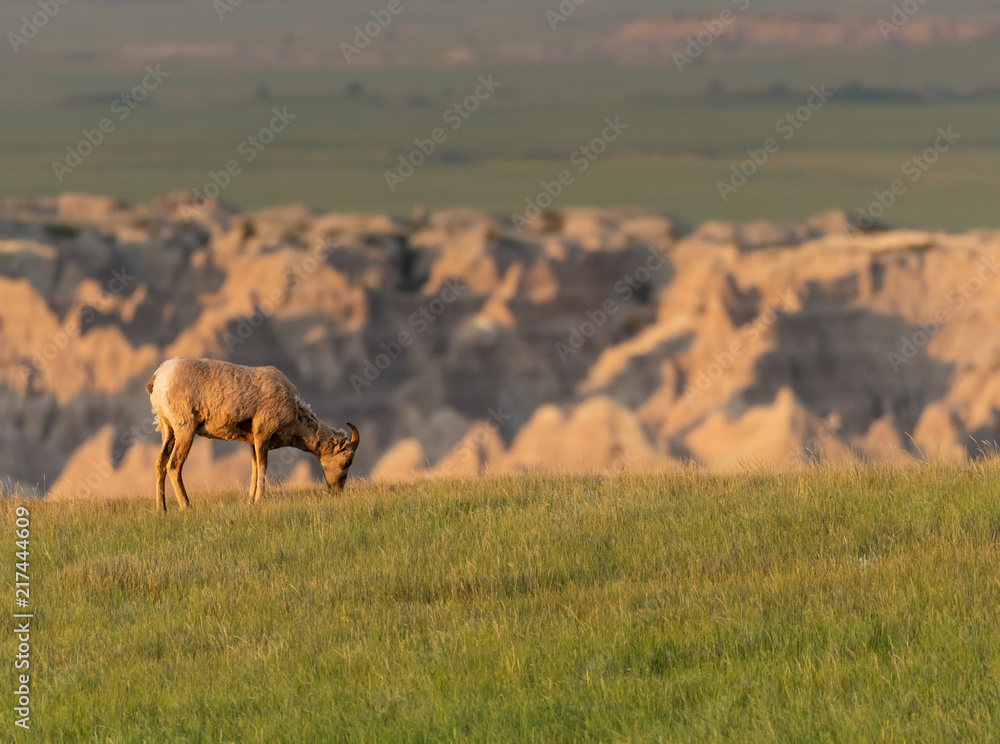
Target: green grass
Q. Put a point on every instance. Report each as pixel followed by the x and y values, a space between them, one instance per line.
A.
pixel 833 605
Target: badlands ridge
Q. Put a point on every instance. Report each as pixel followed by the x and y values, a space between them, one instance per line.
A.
pixel 458 344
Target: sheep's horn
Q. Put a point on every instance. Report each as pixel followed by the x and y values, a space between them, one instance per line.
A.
pixel 355 438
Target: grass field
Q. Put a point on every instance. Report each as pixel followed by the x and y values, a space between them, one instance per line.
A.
pixel 827 605
pixel 337 150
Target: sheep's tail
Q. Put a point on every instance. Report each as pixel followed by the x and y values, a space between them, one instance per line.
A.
pixel 156 416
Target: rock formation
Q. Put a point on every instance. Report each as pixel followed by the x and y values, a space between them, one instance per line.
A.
pixel 458 343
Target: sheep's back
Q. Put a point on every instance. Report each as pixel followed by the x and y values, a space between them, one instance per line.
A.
pixel 213 391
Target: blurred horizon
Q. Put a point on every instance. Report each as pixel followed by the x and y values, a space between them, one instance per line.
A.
pixel 226 67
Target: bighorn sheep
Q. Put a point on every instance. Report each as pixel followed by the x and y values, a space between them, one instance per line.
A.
pixel 256 405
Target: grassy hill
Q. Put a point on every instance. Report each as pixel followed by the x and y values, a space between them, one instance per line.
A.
pixel 840 605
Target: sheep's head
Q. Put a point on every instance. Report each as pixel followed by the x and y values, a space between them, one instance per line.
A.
pixel 336 455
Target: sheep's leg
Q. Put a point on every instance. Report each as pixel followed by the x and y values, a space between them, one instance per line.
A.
pixel 253 466
pixel 183 439
pixel 161 465
pixel 260 460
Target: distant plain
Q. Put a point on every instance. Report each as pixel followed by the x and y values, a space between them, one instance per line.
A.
pixel 353 122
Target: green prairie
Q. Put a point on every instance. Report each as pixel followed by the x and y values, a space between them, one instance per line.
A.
pixel 687 129
pixel 676 150
pixel 822 605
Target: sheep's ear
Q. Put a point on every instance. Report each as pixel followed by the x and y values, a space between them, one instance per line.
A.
pixel 355 438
